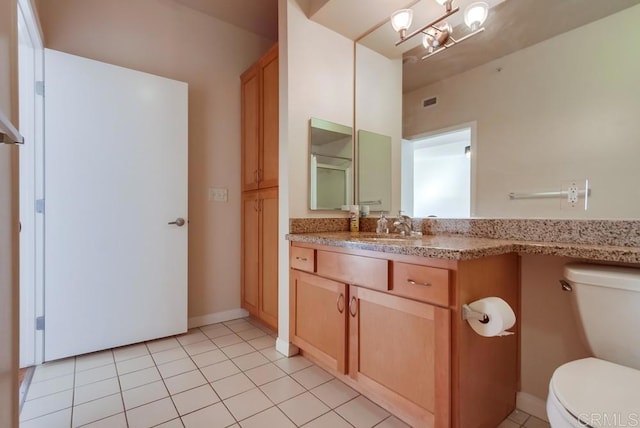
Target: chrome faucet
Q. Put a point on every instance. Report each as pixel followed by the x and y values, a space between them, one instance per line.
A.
pixel 403 224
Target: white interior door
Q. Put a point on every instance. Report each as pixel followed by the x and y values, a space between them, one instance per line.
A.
pixel 115 176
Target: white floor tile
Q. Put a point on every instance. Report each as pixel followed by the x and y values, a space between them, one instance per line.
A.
pixel 311 377
pixel 216 331
pixel 249 361
pixel 216 416
pixel 200 347
pixel 263 342
pixel 93 391
pixel 303 408
pixel 54 369
pixel 51 386
pixel 59 419
pixel 192 336
pixel 96 374
pixel 162 344
pixel 392 422
pixel 251 333
pixel 134 364
pixel 169 355
pixel 293 364
pixel 519 417
pixel 219 371
pixel 115 421
pixel 97 409
pixel 93 360
pixel 139 378
pixel 272 417
pixel 329 420
pixel 237 350
pixel 334 393
pixel 272 354
pixel 248 404
pixel 534 422
pixel 228 340
pixel 131 351
pixel 282 389
pixel 47 404
pixel 176 367
pixel 144 394
pixel 235 321
pixel 195 399
pixel 362 413
pixel 508 423
pixel 152 414
pixel 208 358
pixel 184 381
pixel 240 326
pixel 174 423
pixel 265 374
pixel 232 385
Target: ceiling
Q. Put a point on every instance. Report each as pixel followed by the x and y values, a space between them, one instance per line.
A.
pixel 257 16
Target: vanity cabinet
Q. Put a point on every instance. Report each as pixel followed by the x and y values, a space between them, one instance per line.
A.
pixel 260 254
pixel 259 120
pixel 391 327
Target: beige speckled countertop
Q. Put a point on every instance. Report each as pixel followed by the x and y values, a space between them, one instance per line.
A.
pixel 465 248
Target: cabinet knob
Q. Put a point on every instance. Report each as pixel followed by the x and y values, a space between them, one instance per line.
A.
pixel 340 303
pixel 353 306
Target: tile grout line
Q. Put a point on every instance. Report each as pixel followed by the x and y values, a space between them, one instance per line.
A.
pixel 165 386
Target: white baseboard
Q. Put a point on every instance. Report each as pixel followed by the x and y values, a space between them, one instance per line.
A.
pixel 285 348
pixel 533 405
pixel 217 317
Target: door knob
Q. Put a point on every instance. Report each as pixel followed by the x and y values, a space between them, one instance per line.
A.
pixel 179 222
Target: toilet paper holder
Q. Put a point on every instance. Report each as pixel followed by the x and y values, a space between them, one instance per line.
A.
pixel 470 314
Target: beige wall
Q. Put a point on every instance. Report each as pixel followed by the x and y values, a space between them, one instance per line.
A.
pixel 560 110
pixel 170 40
pixel 8 221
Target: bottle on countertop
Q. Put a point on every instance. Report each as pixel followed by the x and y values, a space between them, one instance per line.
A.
pixel 354 222
pixel 383 224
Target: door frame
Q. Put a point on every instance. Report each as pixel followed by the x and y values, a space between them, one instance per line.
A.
pixel 31 189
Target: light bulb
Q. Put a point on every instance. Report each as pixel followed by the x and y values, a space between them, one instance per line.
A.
pixel 476 14
pixel 401 20
pixel 427 41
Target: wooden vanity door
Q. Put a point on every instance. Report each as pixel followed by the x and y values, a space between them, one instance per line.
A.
pixel 400 350
pixel 318 318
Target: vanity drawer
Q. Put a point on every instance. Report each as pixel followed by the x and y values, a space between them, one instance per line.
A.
pixel 421 283
pixel 355 270
pixel 302 259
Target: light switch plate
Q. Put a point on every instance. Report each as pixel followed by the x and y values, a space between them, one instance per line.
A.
pixel 218 194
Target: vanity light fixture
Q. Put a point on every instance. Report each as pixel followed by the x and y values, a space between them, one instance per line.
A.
pixel 436 36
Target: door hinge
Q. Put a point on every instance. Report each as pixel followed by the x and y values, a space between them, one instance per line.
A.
pixel 40 87
pixel 40 206
pixel 40 323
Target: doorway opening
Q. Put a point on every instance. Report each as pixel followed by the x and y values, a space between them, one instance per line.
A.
pixel 440 166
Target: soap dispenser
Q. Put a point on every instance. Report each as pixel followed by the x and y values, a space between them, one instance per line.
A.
pixel 383 225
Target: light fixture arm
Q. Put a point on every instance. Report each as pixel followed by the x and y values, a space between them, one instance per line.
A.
pixel 453 42
pixel 421 30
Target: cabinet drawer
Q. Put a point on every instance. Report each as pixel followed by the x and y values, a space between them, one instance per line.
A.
pixel 303 259
pixel 356 270
pixel 421 283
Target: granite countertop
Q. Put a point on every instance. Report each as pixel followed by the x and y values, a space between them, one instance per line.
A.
pixel 465 248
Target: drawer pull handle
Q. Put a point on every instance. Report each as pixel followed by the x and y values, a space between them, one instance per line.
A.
pixel 353 307
pixel 304 259
pixel 424 284
pixel 340 303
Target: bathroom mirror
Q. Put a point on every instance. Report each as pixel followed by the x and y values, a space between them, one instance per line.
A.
pixel 331 165
pixel 374 170
pixel 553 102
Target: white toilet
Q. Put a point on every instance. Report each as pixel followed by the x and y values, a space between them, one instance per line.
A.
pixel 603 391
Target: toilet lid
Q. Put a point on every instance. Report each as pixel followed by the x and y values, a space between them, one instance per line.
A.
pixel 599 393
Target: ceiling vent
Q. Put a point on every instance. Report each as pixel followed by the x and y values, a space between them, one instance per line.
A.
pixel 429 102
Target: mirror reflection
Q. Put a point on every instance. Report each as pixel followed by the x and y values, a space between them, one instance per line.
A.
pixel 554 103
pixel 331 165
pixel 374 170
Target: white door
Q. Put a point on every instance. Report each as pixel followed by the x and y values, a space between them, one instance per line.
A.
pixel 115 177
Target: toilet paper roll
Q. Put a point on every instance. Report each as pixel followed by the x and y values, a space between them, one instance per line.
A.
pixel 501 317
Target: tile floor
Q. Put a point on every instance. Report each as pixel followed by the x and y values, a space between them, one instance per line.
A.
pixel 221 375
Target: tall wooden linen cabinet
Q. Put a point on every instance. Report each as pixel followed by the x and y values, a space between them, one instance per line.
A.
pixel 260 188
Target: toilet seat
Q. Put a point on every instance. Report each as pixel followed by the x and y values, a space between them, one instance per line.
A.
pixel 596 393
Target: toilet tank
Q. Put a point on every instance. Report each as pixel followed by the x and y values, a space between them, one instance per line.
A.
pixel 606 301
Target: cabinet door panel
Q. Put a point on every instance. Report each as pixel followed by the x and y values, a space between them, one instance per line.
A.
pixel 318 318
pixel 250 251
pixel 270 135
pixel 401 349
pixel 250 128
pixel 269 257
